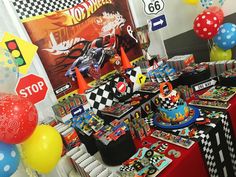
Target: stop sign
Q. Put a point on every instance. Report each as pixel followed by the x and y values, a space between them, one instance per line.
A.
pixel 32 87
pixel 121 87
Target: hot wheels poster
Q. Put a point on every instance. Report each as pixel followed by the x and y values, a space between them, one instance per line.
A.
pixel 87 33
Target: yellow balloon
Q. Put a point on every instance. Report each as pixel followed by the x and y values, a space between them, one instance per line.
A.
pixel 43 149
pixel 218 54
pixel 192 2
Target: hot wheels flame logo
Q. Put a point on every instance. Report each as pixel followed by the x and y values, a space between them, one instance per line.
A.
pixel 86 9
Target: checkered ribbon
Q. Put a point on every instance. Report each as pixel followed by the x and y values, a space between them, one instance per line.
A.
pixel 209 156
pixel 133 75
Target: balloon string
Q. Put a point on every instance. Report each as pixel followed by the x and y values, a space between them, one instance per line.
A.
pixel 209 44
pixel 31 173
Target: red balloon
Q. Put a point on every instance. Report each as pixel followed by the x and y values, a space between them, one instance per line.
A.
pixel 18 118
pixel 217 11
pixel 206 25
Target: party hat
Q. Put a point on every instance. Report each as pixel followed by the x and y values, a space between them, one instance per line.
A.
pixel 125 61
pixel 82 84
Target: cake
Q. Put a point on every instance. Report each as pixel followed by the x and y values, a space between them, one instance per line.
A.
pixel 172 109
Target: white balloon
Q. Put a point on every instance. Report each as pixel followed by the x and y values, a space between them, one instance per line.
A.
pixel 208 3
pixel 8 72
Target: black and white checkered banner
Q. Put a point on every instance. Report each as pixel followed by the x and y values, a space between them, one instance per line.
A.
pixel 219 150
pixel 101 97
pixel 133 74
pixel 230 141
pixel 32 8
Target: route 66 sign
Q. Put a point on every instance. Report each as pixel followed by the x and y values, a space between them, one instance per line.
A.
pixel 153 6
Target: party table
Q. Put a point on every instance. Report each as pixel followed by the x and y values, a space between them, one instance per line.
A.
pixel 215 143
pixel 214 147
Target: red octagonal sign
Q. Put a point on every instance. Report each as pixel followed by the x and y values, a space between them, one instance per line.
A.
pixel 32 87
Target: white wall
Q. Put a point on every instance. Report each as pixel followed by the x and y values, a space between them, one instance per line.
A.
pixel 140 19
pixel 180 16
pixel 11 24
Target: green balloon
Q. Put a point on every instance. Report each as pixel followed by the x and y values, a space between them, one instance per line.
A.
pixel 218 54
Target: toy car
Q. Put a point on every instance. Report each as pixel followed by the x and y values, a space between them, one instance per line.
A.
pixel 131 161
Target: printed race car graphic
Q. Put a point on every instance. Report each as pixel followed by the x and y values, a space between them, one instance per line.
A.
pixel 145 162
pixel 96 54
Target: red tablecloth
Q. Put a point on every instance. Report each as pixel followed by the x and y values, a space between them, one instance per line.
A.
pixel 190 163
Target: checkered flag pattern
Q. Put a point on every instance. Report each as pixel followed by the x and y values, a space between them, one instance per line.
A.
pixel 126 168
pixel 154 160
pixel 32 8
pixel 209 156
pixel 133 75
pixel 199 134
pixel 229 140
pixel 167 103
pixel 100 97
pixel 149 121
pixel 121 79
pixel 162 148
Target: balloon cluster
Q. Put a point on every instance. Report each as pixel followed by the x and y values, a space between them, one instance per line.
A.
pixel 209 25
pixel 41 145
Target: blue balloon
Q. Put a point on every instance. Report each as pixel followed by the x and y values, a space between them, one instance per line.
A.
pixel 9 159
pixel 226 36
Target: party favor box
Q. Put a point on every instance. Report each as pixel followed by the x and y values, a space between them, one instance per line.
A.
pixel 179 62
